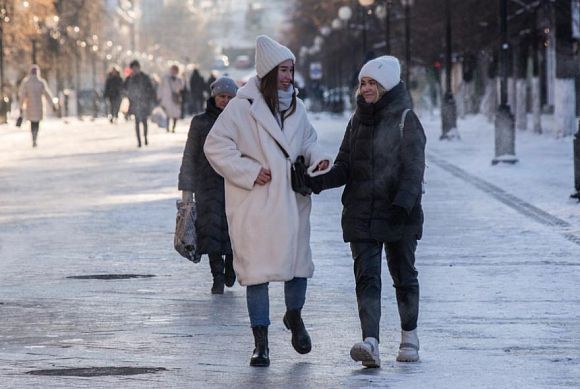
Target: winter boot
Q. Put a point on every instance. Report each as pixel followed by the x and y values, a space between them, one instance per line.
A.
pixel 230 274
pixel 409 348
pixel 300 338
pixel 216 264
pixel 260 356
pixel 366 352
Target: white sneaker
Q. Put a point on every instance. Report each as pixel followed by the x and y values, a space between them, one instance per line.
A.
pixel 366 352
pixel 409 348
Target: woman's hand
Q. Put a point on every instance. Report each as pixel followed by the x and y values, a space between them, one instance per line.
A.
pixel 323 165
pixel 264 177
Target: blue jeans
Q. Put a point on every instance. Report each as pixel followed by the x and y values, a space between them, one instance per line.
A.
pixel 259 301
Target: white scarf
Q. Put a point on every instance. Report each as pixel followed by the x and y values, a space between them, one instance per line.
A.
pixel 285 98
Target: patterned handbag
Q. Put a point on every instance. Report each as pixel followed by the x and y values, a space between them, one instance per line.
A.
pixel 185 240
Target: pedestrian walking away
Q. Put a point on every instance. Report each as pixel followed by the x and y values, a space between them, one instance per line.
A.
pixel 382 161
pixel 113 93
pixel 169 94
pixel 141 94
pixel 196 88
pixel 31 91
pixel 248 146
pixel 197 176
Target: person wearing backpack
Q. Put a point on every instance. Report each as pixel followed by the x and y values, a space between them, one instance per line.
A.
pixel 381 162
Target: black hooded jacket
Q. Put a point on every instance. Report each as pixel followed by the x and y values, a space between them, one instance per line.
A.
pixel 380 169
pixel 196 175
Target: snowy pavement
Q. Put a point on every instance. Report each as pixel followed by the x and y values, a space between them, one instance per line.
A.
pixel 499 268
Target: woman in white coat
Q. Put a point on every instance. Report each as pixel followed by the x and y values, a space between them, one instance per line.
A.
pixel 32 89
pixel 169 94
pixel 268 222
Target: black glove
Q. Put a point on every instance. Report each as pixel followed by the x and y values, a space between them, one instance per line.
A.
pixel 397 215
pixel 316 184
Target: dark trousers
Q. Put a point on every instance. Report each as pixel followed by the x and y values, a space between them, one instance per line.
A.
pixel 115 104
pixel 138 121
pixel 367 272
pixel 217 264
pixel 34 127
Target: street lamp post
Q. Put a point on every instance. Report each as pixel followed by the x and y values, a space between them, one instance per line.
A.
pixel 3 104
pixel 504 121
pixel 448 107
pixel 407 4
pixel 388 4
pixel 365 12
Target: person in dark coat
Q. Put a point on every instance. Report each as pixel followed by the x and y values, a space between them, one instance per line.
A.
pixel 142 97
pixel 196 88
pixel 382 167
pixel 113 92
pixel 197 176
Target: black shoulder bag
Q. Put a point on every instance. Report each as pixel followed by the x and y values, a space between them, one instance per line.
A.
pixel 298 170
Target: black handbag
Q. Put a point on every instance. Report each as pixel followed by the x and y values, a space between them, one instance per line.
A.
pixel 298 173
pixel 299 177
pixel 19 121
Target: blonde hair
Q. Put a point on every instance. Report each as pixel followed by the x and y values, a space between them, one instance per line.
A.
pixel 380 89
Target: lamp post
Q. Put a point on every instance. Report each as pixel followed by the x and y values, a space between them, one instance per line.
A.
pixel 407 4
pixel 448 107
pixel 504 121
pixel 4 18
pixel 344 15
pixel 365 4
pixel 384 12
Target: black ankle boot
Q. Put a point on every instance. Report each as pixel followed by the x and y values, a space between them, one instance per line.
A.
pixel 300 338
pixel 218 284
pixel 260 357
pixel 216 264
pixel 230 274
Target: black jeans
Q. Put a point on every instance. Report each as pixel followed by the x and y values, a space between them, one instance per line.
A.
pixel 367 272
pixel 144 122
pixel 34 128
pixel 114 105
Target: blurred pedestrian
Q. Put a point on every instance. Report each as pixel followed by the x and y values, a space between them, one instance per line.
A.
pixel 196 89
pixel 251 145
pixel 212 77
pixel 197 176
pixel 381 161
pixel 32 89
pixel 113 92
pixel 142 98
pixel 169 93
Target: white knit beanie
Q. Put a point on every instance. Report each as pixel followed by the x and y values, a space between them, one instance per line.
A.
pixel 385 70
pixel 270 54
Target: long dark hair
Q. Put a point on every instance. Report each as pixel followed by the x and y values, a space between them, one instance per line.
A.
pixel 269 89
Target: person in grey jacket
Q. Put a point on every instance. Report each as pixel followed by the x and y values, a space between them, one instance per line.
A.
pixel 142 97
pixel 197 176
pixel 382 166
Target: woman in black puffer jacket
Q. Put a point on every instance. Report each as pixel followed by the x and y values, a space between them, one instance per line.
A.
pixel 197 176
pixel 382 168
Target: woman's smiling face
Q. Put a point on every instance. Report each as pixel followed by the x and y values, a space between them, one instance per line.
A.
pixel 369 90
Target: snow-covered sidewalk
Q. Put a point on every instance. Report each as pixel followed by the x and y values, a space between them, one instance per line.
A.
pixel 499 305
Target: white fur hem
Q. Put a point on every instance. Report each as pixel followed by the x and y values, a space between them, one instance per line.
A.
pixel 314 165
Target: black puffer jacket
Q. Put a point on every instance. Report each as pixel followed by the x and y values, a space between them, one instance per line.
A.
pixel 196 175
pixel 380 170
